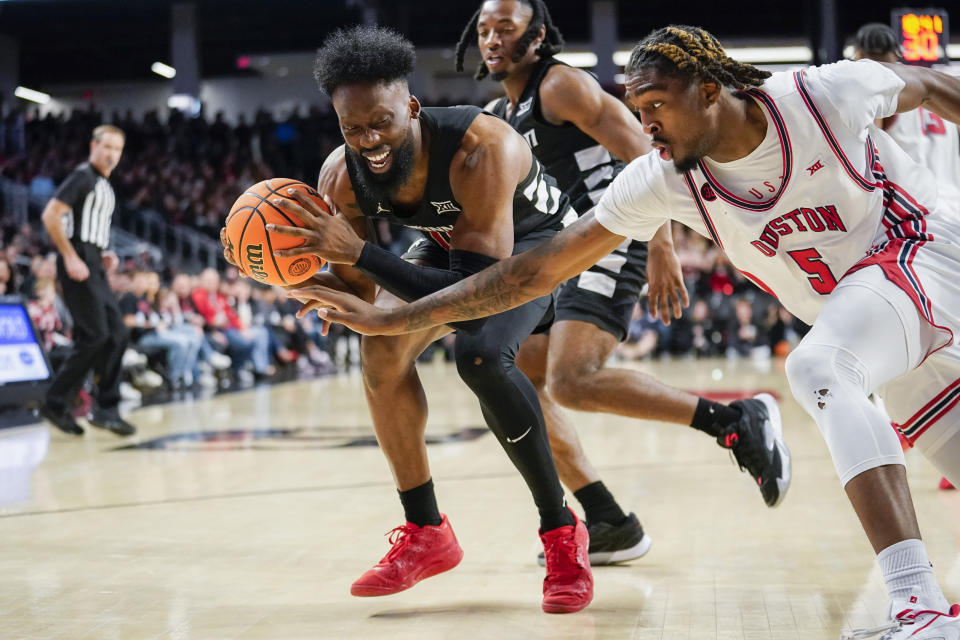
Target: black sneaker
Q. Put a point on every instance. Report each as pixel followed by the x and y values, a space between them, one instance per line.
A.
pixel 62 420
pixel 758 446
pixel 110 419
pixel 610 544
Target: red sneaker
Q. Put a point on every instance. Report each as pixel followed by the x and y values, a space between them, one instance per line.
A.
pixel 568 586
pixel 946 485
pixel 417 553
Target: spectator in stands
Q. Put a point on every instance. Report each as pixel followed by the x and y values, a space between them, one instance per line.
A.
pixel 292 334
pixel 151 334
pixel 186 339
pixel 252 314
pixel 41 268
pixel 745 336
pixel 209 359
pixel 707 339
pixel 223 325
pixel 47 318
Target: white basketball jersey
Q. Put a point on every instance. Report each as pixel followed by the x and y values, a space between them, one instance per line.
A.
pixel 840 190
pixel 932 142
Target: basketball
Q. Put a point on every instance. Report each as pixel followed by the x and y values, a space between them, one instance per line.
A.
pixel 253 245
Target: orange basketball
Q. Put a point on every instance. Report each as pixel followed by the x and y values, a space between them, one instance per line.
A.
pixel 253 245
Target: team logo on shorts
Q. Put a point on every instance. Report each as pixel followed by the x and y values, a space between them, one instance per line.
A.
pixel 446 206
pixel 299 266
pixel 707 192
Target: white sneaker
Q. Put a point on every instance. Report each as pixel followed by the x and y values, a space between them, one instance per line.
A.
pixel 912 620
pixel 147 379
pixel 133 358
pixel 207 381
pixel 220 361
pixel 128 392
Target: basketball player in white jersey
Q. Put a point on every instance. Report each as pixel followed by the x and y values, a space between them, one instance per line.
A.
pixel 813 202
pixel 924 135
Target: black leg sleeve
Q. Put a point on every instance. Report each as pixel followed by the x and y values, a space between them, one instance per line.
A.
pixel 509 402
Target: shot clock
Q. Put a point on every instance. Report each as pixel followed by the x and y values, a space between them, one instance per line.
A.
pixel 923 33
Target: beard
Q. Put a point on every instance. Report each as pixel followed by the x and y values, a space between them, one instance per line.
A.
pixel 499 76
pixel 683 165
pixel 704 145
pixel 375 183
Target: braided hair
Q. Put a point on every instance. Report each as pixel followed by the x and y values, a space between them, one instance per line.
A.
pixel 876 39
pixel 552 43
pixel 689 52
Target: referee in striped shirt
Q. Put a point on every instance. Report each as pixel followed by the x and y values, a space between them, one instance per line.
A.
pixel 78 221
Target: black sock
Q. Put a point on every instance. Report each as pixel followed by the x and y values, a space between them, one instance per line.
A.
pixel 599 504
pixel 420 505
pixel 551 519
pixel 713 417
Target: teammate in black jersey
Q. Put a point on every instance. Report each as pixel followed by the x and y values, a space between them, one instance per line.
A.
pixel 470 182
pixel 582 136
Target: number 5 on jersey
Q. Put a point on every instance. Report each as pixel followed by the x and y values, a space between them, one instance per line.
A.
pixel 810 260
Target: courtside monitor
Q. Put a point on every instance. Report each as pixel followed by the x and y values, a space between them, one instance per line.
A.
pixel 24 369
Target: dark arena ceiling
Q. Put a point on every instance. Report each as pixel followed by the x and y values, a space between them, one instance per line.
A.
pixel 114 40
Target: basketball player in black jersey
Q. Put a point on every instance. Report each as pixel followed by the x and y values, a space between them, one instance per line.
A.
pixel 583 135
pixel 471 184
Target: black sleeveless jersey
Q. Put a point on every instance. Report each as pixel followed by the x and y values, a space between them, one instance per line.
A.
pixel 582 167
pixel 538 203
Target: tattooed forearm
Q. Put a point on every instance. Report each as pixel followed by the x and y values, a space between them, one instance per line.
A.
pixel 502 286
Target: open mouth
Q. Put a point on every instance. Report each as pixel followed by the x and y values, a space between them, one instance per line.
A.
pixel 662 149
pixel 379 161
pixel 493 61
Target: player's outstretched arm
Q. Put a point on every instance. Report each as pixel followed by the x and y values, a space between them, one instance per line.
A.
pixel 932 90
pixel 502 286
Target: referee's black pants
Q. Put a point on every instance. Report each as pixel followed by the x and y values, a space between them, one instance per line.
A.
pixel 99 335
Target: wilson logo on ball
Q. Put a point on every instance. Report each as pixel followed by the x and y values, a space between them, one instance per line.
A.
pixel 299 267
pixel 255 260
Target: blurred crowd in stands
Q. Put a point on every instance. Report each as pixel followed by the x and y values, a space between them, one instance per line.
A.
pixel 728 315
pixel 215 330
pixel 189 169
pixel 187 332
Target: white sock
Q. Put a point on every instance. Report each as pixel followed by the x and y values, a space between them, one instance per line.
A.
pixel 907 571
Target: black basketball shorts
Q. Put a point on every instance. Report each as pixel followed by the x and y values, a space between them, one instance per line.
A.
pixel 604 295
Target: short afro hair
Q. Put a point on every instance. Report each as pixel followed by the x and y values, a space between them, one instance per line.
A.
pixel 362 54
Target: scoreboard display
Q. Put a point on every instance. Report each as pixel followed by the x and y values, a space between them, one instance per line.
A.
pixel 924 35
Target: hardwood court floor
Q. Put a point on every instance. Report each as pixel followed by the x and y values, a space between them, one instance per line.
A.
pixel 249 515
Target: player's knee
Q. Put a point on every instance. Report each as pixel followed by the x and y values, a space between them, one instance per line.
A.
pixel 817 372
pixel 479 359
pixel 570 380
pixel 809 371
pixel 383 359
pixel 566 388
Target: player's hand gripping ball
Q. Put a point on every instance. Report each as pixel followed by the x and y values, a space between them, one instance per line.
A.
pixel 252 245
